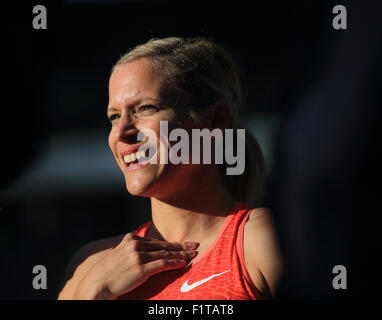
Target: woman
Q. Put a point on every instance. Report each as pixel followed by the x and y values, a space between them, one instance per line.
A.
pixel 203 242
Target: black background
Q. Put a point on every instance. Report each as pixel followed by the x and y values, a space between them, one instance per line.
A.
pixel 322 83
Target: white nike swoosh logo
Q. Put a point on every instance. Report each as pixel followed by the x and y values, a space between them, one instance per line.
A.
pixel 186 287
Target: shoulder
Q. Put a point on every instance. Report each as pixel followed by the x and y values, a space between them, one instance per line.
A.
pixel 85 258
pixel 261 251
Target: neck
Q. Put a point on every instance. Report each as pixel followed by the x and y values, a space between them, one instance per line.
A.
pixel 195 216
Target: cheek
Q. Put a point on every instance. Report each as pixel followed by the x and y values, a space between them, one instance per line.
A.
pixel 152 123
pixel 151 129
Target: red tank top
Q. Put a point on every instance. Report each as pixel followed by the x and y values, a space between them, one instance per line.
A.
pixel 219 273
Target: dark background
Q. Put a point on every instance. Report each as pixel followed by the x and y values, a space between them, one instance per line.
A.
pixel 313 103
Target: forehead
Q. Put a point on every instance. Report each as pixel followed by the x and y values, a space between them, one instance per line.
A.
pixel 134 80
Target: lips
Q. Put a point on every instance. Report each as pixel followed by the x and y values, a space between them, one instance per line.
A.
pixel 132 157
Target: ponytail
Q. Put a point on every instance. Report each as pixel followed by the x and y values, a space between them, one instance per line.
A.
pixel 249 186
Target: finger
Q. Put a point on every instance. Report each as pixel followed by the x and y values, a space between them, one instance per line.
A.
pixel 132 236
pixel 165 254
pixel 157 245
pixel 186 244
pixel 157 266
pixel 136 237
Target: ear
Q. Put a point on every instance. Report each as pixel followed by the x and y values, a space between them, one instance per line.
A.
pixel 219 115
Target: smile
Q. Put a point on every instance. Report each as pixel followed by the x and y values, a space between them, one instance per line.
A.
pixel 133 158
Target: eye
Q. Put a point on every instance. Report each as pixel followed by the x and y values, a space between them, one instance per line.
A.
pixel 147 107
pixel 113 117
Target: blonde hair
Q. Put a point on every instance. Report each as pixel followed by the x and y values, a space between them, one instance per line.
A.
pixel 198 73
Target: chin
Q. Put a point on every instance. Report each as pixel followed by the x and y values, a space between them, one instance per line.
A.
pixel 138 188
pixel 141 183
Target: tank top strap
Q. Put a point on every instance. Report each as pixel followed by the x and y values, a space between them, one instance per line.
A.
pixel 240 213
pixel 142 229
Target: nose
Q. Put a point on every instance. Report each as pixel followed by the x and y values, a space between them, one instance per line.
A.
pixel 126 130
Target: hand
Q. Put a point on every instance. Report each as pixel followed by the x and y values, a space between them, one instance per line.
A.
pixel 130 264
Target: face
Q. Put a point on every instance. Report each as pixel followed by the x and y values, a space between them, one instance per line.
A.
pixel 135 104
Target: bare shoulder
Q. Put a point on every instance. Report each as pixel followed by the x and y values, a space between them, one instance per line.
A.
pixel 85 258
pixel 261 251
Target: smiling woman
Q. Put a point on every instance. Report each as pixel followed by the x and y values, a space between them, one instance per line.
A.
pixel 201 140
pixel 212 244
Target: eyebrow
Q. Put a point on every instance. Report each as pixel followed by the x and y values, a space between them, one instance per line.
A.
pixel 111 109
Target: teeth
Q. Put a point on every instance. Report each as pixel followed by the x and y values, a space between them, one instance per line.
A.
pixel 133 156
pixel 140 154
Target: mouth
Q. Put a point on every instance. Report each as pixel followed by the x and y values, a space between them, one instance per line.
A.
pixel 133 158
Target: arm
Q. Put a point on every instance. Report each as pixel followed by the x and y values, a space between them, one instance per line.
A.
pixel 82 261
pixel 261 252
pixel 108 268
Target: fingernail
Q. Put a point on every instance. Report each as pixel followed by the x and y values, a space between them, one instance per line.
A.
pixel 191 245
pixel 191 253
